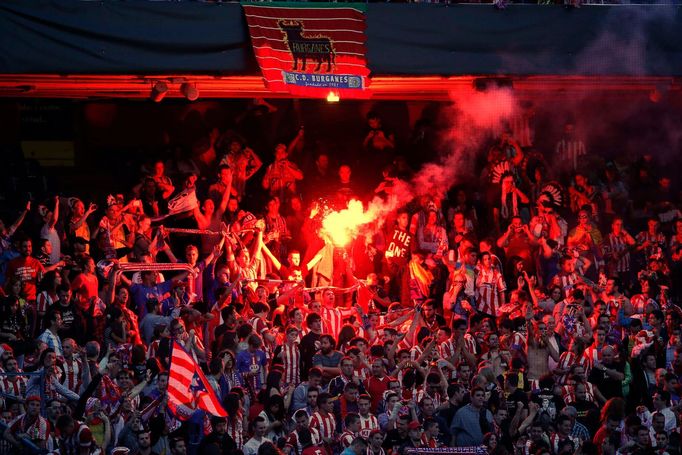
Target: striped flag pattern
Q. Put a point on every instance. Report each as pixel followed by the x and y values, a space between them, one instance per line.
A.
pixel 329 38
pixel 188 386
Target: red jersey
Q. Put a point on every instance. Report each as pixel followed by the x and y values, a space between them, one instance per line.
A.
pixel 367 424
pixel 375 388
pixel 291 358
pixel 26 270
pixel 45 301
pixel 567 360
pixel 347 438
pixel 84 288
pixel 332 320
pixel 325 424
pixel 489 284
pixel 72 374
pixel 315 450
pixel 294 442
pixel 13 385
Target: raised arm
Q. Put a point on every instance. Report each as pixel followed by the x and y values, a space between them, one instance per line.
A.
pixel 268 254
pixel 267 179
pixel 216 251
pixel 202 220
pixel 259 241
pixel 226 195
pixel 79 222
pixel 427 350
pixel 55 213
pixel 166 189
pixel 531 289
pixel 503 241
pixel 13 228
pixel 296 142
pixel 317 258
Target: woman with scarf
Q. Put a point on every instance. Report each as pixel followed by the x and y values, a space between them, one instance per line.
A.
pixel 46 383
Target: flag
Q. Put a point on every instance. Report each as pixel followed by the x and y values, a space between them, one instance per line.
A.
pixel 312 49
pixel 183 202
pixel 187 385
pixel 109 394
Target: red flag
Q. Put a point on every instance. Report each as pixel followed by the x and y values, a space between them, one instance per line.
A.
pixel 188 386
pixel 310 49
pixel 109 394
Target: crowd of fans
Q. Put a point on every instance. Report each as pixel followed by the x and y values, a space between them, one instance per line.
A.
pixel 534 311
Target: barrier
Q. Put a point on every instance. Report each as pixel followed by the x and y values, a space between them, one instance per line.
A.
pixel 469 450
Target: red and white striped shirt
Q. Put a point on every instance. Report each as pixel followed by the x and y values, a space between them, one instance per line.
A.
pixel 567 360
pixel 470 343
pixel 489 284
pixel 640 302
pixel 555 441
pixel 428 442
pixel 72 374
pixel 13 385
pixel 568 392
pixel 332 320
pixel 656 242
pixel 616 248
pixel 593 354
pixel 291 358
pixel 235 428
pixel 259 326
pixel 369 423
pixel 325 424
pixel 447 349
pixel 347 438
pixel 565 280
pixel 153 349
pixel 362 373
pixel 45 301
pixel 294 441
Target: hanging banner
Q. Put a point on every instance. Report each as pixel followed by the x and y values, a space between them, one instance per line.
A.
pixel 310 49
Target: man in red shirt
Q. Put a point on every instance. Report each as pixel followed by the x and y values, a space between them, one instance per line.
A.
pixel 377 383
pixel 85 285
pixel 25 269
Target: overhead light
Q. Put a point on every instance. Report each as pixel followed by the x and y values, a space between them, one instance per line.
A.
pixel 333 97
pixel 159 90
pixel 190 91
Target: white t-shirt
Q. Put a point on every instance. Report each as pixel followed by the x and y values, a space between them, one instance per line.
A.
pixel 251 446
pixel 51 234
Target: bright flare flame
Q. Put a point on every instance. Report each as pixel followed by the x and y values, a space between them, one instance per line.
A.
pixel 333 97
pixel 343 225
